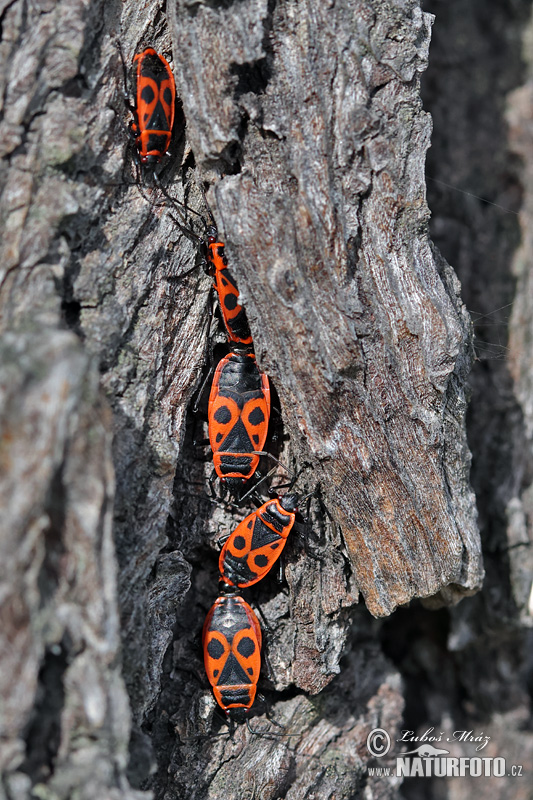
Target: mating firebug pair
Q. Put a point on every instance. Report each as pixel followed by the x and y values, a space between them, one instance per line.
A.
pixel 239 402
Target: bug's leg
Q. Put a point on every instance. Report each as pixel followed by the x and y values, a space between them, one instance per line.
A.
pixel 254 496
pixel 211 482
pixel 221 539
pixel 273 458
pixel 212 302
pixel 199 186
pixel 269 630
pixel 268 667
pixel 200 442
pixel 290 485
pixel 189 233
pixel 130 106
pixel 262 699
pixel 307 508
pixel 127 97
pixel 210 371
pixel 172 278
pixel 253 490
pixel 281 572
pixel 203 452
pixel 180 207
pixel 201 390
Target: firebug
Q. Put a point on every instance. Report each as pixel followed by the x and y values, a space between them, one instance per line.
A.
pixel 233 314
pixel 257 542
pixel 238 416
pixel 154 106
pixel 231 640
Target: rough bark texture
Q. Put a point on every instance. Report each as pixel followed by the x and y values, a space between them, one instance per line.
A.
pixel 315 107
pixel 480 673
pixel 304 119
pixel 64 709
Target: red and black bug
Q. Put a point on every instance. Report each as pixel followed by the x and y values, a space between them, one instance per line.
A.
pixel 231 640
pixel 212 258
pixel 233 314
pixel 257 542
pixel 154 106
pixel 238 416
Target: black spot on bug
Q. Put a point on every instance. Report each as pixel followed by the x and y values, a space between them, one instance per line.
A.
pixel 261 561
pixel 147 95
pixel 255 437
pixel 220 252
pixel 250 524
pixel 239 543
pixel 274 546
pixel 230 301
pixel 219 437
pixel 215 673
pixel 215 649
pixel 167 96
pixel 256 417
pixel 223 415
pixel 246 647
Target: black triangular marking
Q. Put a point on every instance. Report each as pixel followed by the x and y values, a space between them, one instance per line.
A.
pixel 237 440
pixel 262 535
pixel 233 674
pixel 158 120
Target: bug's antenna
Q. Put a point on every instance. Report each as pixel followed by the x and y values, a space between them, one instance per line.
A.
pixel 265 477
pixel 199 186
pixel 180 207
pixel 197 240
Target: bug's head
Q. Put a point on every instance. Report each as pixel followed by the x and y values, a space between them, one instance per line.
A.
pixel 227 589
pixel 151 159
pixel 211 234
pixel 237 716
pixel 234 484
pixel 289 502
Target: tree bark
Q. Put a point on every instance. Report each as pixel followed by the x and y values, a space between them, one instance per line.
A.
pixel 316 113
pixel 305 122
pixel 476 187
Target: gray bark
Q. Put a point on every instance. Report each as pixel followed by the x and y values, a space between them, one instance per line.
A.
pixel 306 124
pixel 317 110
pixel 480 125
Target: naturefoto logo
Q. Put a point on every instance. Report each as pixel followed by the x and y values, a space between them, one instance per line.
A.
pixel 428 761
pixel 425 751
